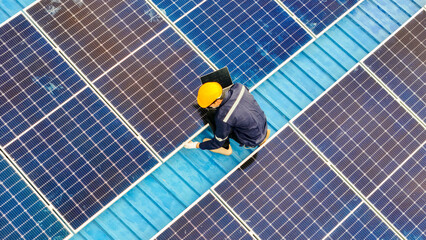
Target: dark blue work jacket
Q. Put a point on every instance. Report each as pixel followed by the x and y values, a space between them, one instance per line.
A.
pixel 240 114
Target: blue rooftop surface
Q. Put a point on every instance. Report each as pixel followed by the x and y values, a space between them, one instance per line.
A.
pixel 11 7
pixel 285 90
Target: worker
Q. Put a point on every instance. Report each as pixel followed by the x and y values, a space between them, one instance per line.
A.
pixel 232 114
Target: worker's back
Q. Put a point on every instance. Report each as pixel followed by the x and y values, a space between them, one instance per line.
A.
pixel 240 110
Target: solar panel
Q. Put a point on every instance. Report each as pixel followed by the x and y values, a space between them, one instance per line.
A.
pixel 207 219
pixel 81 157
pixel 288 192
pixel 34 79
pixel 98 34
pixel 364 132
pixel 318 15
pixel 23 214
pixel 402 198
pixel 363 224
pixel 250 37
pixel 176 9
pixel 401 64
pixel 154 89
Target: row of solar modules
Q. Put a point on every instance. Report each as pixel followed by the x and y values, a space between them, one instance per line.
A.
pixel 369 183
pixel 71 146
pixel 60 121
pixel 146 70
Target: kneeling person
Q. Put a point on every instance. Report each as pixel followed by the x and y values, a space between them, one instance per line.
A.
pixel 232 114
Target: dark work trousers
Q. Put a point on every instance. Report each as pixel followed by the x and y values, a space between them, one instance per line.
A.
pixel 210 120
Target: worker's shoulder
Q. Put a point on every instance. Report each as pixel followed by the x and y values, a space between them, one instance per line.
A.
pixel 238 85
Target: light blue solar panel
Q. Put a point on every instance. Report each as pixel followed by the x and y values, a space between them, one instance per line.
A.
pixel 288 192
pixel 402 198
pixel 22 214
pixel 363 224
pixel 319 14
pixel 250 37
pixel 97 34
pixel 401 64
pixel 34 78
pixel 207 219
pixel 362 130
pixel 81 157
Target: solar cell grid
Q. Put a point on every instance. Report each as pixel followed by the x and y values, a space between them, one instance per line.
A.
pixel 34 79
pixel 363 224
pixel 401 64
pixel 207 219
pixel 81 157
pixel 23 214
pixel 154 89
pixel 288 192
pixel 318 15
pixel 176 9
pixel 364 132
pixel 402 198
pixel 98 34
pixel 251 38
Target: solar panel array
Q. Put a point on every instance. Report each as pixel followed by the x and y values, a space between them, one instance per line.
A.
pixel 288 192
pixel 402 198
pixel 81 157
pixel 154 89
pixel 250 37
pixel 34 79
pixel 98 34
pixel 142 66
pixel 362 224
pixel 317 15
pixel 401 64
pixel 23 214
pixel 207 219
pixel 362 130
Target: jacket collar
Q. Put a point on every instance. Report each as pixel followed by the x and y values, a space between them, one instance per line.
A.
pixel 228 95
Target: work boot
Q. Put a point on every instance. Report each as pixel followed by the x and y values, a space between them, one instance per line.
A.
pixel 268 132
pixel 220 150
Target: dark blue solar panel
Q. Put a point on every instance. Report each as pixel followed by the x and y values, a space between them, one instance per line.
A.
pixel 97 34
pixel 34 79
pixel 317 15
pixel 363 224
pixel 22 214
pixel 362 130
pixel 402 198
pixel 250 37
pixel 288 192
pixel 154 89
pixel 207 219
pixel 81 157
pixel 401 64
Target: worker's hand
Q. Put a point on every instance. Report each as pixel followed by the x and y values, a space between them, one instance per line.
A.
pixel 190 145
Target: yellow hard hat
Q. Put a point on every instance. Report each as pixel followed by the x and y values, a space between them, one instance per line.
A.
pixel 208 93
